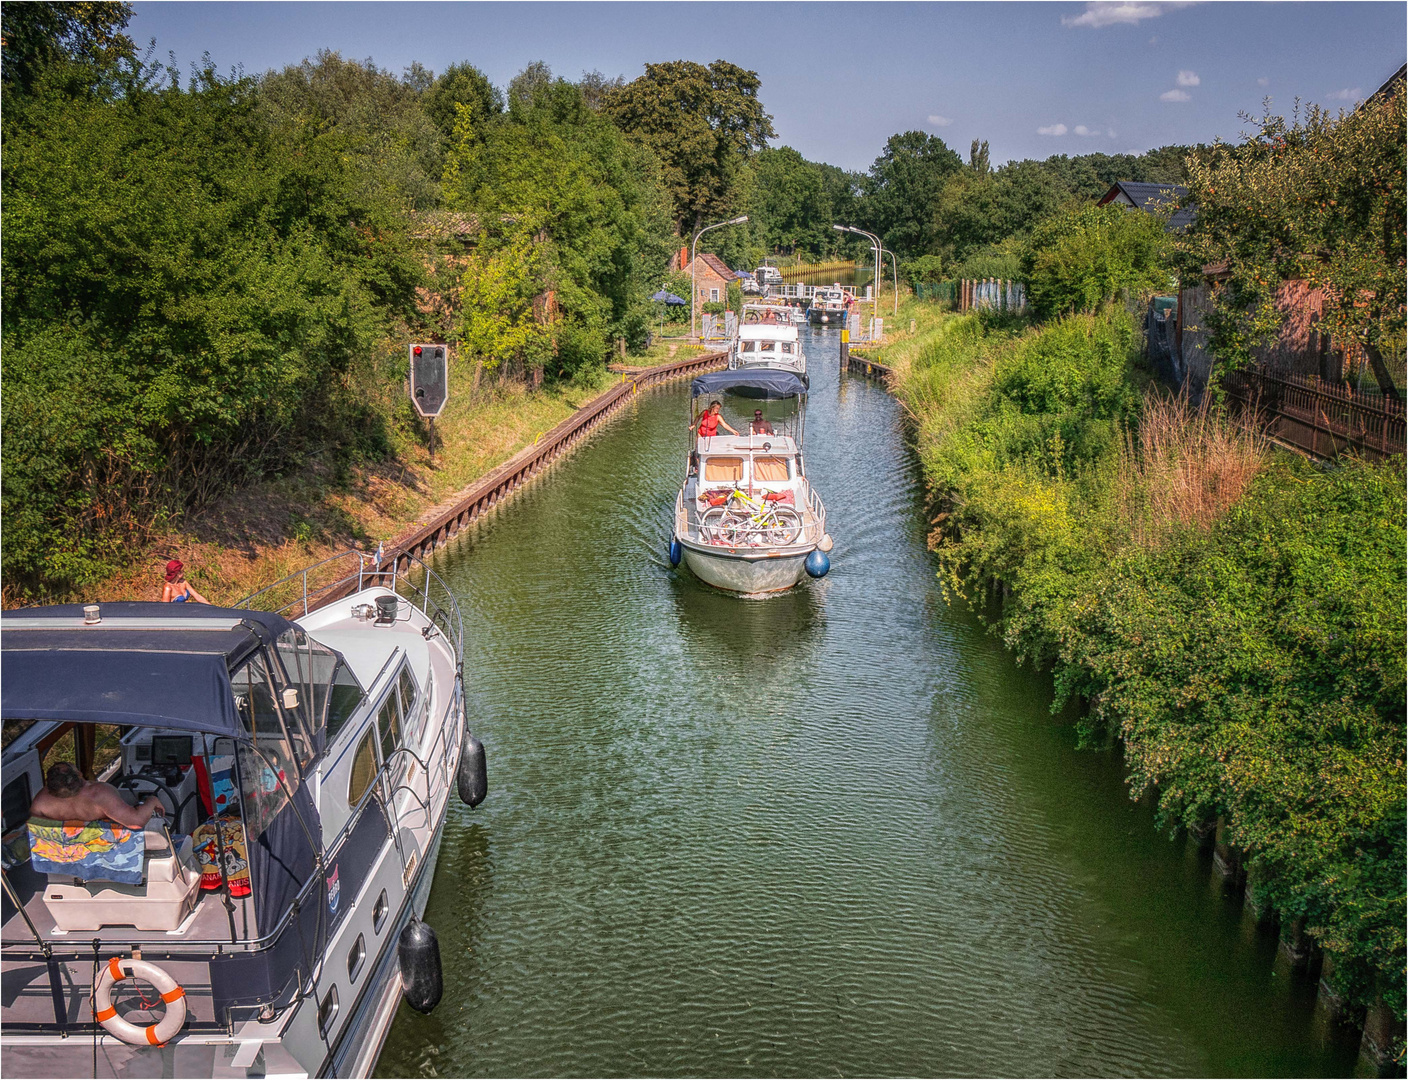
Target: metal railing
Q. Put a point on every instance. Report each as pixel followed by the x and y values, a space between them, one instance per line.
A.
pixel 335 578
pixel 1319 417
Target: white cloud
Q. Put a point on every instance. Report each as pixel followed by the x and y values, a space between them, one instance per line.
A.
pixel 1175 95
pixel 1263 81
pixel 1098 14
pixel 1187 78
pixel 940 121
pixel 1347 95
pixel 1053 129
pixel 1081 129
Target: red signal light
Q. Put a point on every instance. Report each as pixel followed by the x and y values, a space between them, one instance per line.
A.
pixel 416 350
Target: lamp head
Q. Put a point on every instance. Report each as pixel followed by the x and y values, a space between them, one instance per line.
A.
pixel 739 220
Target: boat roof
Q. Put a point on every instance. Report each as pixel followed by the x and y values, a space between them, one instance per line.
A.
pixel 776 331
pixel 709 445
pixel 758 382
pixel 164 665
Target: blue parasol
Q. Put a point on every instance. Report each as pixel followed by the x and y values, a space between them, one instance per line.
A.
pixel 669 298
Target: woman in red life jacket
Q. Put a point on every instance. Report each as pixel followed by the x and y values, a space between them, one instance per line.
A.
pixel 712 420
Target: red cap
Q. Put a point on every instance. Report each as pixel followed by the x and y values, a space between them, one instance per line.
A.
pixel 173 569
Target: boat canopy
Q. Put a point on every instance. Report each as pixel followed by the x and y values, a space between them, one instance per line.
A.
pixel 161 665
pixel 767 383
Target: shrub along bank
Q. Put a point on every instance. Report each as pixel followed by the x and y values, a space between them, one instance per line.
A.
pixel 1232 615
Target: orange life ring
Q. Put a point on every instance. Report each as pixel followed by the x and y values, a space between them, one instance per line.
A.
pixel 158 1034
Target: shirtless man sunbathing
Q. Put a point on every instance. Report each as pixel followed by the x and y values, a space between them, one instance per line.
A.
pixel 66 796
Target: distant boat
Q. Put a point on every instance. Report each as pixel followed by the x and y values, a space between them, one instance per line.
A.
pixel 767 338
pixel 828 306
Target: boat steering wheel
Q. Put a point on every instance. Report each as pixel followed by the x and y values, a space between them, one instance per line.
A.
pixel 130 780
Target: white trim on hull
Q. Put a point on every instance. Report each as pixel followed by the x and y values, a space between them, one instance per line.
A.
pixel 752 573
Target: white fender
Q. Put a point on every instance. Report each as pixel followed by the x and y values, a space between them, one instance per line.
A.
pixel 158 1034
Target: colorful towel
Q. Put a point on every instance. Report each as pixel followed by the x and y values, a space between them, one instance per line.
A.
pixel 234 867
pixel 87 850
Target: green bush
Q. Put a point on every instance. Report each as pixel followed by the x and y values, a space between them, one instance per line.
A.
pixel 1082 259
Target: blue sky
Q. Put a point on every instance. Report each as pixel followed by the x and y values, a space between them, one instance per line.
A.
pixel 840 78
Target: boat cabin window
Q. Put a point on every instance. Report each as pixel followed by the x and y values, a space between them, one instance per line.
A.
pixel 767 346
pixel 787 347
pixel 363 769
pixel 770 470
pixel 407 685
pixel 388 723
pixel 723 470
pixel 328 691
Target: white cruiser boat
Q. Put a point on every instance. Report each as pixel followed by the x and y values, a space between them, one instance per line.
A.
pixel 767 338
pixel 268 925
pixel 747 519
pixel 828 306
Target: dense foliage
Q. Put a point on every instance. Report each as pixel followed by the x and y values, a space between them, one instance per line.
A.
pixel 1084 257
pixel 1249 659
pixel 1319 199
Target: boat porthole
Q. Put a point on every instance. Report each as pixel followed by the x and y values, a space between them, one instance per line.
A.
pixel 327 1012
pixel 355 957
pixel 383 905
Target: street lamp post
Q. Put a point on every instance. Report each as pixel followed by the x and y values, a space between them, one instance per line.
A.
pixel 879 266
pixel 693 289
pixel 894 265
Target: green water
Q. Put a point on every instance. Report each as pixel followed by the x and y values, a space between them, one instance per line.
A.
pixel 835 832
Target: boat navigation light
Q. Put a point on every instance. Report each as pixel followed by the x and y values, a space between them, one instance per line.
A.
pixel 91 614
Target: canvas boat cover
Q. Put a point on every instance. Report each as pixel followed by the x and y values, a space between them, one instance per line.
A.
pixel 139 665
pixel 767 383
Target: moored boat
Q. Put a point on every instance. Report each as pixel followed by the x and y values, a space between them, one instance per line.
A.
pixel 747 519
pixel 303 766
pixel 828 306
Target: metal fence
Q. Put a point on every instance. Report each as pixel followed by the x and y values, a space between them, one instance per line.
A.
pixel 967 294
pixel 1321 418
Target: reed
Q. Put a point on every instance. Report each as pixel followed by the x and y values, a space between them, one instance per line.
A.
pixel 1185 467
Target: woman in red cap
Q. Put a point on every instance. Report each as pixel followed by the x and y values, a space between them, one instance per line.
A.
pixel 177 589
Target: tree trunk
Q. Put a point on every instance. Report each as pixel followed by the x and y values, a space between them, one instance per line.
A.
pixel 1376 361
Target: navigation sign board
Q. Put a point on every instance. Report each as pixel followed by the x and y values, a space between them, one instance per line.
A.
pixel 430 379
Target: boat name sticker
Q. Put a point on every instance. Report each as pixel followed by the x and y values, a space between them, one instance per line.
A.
pixel 334 891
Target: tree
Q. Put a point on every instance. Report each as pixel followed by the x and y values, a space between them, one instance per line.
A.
pixel 190 297
pixel 790 207
pixel 555 179
pixel 903 185
pixel 36 36
pixel 978 157
pixel 374 117
pixel 703 123
pixel 1320 200
pixel 461 87
pixel 1084 258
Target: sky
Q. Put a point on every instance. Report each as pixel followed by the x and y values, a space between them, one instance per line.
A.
pixel 1034 79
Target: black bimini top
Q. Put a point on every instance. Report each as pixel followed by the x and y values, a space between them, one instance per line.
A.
pixel 164 665
pixel 767 383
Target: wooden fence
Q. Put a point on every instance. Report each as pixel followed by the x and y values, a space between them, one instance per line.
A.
pixel 493 488
pixel 1321 418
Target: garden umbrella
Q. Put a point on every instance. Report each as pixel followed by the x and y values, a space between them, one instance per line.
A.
pixel 670 300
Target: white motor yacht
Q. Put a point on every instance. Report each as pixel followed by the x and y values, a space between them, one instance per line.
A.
pixel 747 519
pixel 267 922
pixel 767 338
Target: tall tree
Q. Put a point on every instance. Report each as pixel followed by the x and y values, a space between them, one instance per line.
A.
pixel 703 123
pixel 461 87
pixel 902 187
pixel 376 117
pixel 35 36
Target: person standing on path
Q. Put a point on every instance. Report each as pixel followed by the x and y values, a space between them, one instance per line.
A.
pixel 177 589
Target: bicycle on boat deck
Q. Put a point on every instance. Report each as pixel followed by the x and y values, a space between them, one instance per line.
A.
pixel 746 521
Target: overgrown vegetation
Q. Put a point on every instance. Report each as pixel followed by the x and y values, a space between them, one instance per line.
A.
pixel 1231 616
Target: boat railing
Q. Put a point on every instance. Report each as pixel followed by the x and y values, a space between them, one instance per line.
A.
pixel 338 576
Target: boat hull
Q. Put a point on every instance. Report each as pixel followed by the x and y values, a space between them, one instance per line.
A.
pixel 754 572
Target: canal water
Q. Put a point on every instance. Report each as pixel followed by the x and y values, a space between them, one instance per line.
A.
pixel 834 832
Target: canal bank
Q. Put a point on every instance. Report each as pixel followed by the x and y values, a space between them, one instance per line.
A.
pixel 836 831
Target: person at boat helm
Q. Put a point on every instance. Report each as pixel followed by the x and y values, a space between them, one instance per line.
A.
pixel 760 425
pixel 66 796
pixel 712 420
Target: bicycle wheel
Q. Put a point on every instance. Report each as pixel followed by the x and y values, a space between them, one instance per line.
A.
pixel 785 528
